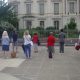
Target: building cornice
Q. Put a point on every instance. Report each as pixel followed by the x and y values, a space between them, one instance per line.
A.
pixel 28 16
pixel 28 1
pixel 71 0
pixel 56 0
pixel 41 1
pixel 14 2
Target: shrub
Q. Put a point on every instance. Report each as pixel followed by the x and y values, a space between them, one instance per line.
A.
pixel 48 30
pixel 6 26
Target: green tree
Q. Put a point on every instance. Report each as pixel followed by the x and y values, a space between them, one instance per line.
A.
pixel 7 14
pixel 72 24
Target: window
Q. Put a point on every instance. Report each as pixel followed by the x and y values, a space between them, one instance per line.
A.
pixel 28 24
pixel 28 8
pixel 56 8
pixel 41 8
pixel 16 9
pixel 41 23
pixel 56 24
pixel 71 7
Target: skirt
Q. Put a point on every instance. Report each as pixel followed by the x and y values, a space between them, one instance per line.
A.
pixel 5 47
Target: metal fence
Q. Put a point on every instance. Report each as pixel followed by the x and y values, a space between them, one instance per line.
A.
pixel 45 33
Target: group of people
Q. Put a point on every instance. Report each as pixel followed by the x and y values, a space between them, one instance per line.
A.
pixel 6 42
pixel 51 41
pixel 28 41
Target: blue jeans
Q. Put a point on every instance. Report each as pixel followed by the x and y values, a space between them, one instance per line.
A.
pixel 28 50
pixel 61 47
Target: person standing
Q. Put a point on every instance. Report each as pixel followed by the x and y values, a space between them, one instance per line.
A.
pixel 61 40
pixel 15 39
pixel 50 44
pixel 27 44
pixel 35 42
pixel 5 42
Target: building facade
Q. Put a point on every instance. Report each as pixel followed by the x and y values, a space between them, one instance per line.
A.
pixel 46 13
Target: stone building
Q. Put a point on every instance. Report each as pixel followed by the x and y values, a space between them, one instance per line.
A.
pixel 46 13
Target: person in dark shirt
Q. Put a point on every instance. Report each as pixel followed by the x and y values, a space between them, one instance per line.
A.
pixel 15 38
pixel 61 40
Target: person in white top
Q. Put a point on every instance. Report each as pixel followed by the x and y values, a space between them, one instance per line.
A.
pixel 5 42
pixel 27 44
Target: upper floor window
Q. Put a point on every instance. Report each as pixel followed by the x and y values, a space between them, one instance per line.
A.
pixel 56 8
pixel 71 7
pixel 16 9
pixel 28 9
pixel 41 8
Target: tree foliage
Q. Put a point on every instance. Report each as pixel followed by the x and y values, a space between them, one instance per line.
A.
pixel 7 14
pixel 72 24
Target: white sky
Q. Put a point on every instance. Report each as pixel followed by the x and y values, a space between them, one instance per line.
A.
pixel 6 0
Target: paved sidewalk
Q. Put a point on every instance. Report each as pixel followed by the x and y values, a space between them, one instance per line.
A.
pixel 62 67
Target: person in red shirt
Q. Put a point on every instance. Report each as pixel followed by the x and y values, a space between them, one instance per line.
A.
pixel 35 42
pixel 50 44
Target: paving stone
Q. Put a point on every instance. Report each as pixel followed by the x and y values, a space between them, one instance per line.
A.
pixel 64 66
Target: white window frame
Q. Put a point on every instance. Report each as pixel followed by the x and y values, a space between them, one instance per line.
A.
pixel 28 9
pixel 41 8
pixel 56 9
pixel 16 9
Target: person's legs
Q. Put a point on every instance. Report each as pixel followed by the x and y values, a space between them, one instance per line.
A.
pixel 35 47
pixel 50 55
pixel 15 44
pixel 53 50
pixel 49 52
pixel 29 50
pixel 26 50
pixel 63 47
pixel 60 50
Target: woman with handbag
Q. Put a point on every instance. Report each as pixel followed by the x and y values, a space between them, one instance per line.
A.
pixel 27 44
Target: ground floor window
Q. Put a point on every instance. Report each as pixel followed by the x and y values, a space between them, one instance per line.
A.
pixel 28 24
pixel 56 24
pixel 41 23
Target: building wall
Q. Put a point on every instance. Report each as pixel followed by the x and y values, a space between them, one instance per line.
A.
pixel 49 17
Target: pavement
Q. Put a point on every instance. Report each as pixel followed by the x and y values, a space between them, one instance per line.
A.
pixel 63 66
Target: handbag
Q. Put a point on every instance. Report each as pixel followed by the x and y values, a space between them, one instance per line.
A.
pixel 23 47
pixel 38 42
pixel 31 43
